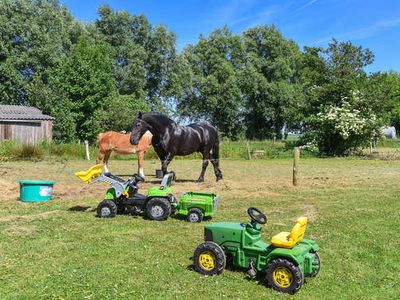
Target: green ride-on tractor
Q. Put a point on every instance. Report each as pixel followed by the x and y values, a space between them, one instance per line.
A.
pixel 158 204
pixel 286 260
pixel 123 196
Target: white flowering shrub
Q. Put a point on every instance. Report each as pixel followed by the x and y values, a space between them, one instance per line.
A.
pixel 339 130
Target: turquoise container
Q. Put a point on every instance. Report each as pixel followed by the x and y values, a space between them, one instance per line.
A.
pixel 35 190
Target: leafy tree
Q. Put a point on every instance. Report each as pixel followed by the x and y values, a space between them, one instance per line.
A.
pixel 269 81
pixel 210 83
pixel 119 112
pixel 143 55
pixel 87 81
pixel 35 37
pixel 382 92
pixel 332 78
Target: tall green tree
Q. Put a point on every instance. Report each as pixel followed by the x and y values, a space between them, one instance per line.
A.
pixel 210 82
pixel 87 81
pixel 382 92
pixel 143 55
pixel 35 37
pixel 270 83
pixel 337 114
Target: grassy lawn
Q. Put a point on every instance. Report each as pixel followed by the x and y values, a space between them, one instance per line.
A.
pixel 59 249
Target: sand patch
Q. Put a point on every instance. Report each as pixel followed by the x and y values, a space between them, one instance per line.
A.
pixel 9 189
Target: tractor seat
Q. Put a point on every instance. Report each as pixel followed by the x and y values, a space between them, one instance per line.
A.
pixel 290 239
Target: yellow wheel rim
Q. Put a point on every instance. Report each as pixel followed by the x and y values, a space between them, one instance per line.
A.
pixel 282 277
pixel 207 260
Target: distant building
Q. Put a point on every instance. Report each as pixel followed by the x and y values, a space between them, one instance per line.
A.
pixel 25 124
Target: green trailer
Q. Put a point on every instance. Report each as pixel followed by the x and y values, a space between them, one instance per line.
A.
pixel 196 206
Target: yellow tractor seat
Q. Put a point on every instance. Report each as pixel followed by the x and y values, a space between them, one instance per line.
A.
pixel 90 174
pixel 290 239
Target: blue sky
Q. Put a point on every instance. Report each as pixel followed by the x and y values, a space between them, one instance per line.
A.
pixel 368 23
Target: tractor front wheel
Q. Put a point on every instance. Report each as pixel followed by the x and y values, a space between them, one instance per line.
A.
pixel 158 209
pixel 209 258
pixel 194 215
pixel 284 276
pixel 107 209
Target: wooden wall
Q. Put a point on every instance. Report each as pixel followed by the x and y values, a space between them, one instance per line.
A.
pixel 27 132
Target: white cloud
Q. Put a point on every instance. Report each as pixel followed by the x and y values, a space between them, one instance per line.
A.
pixel 362 33
pixel 306 5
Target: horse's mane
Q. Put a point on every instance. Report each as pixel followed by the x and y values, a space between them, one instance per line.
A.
pixel 161 119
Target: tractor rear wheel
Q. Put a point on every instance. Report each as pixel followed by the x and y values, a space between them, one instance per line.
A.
pixel 107 209
pixel 209 258
pixel 284 276
pixel 158 209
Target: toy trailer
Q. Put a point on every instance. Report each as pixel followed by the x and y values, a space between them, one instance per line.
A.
pixel 196 206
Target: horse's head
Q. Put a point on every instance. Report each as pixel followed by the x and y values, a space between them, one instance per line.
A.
pixel 139 127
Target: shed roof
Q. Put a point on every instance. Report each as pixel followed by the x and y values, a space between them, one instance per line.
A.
pixel 19 112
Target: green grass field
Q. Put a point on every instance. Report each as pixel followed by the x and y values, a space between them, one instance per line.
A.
pixel 59 249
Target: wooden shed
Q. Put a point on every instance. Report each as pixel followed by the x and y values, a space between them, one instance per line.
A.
pixel 25 124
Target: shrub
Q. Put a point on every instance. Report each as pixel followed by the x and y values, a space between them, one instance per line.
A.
pixel 28 151
pixel 339 130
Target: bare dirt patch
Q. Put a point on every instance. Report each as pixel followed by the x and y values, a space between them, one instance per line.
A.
pixel 9 189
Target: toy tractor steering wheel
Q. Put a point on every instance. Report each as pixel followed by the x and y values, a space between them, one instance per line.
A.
pixel 256 215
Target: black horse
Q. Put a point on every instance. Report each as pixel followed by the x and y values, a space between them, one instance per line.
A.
pixel 170 139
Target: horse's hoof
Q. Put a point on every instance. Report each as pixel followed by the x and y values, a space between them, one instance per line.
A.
pixel 200 180
pixel 219 178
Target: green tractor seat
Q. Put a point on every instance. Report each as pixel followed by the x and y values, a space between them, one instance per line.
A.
pixel 290 239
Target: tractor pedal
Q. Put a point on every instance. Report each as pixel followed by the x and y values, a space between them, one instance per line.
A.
pixel 252 272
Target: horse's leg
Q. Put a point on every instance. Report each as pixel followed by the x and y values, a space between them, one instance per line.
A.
pixel 165 162
pixel 206 157
pixel 105 160
pixel 215 162
pixel 100 157
pixel 140 155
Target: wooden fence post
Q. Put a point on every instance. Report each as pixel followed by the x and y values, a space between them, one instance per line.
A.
pixel 87 150
pixel 296 154
pixel 248 149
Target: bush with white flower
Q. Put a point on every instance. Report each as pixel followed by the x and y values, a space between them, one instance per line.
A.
pixel 339 130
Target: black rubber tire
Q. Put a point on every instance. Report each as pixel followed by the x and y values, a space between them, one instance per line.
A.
pixel 315 273
pixel 158 209
pixel 107 209
pixel 194 215
pixel 296 273
pixel 219 254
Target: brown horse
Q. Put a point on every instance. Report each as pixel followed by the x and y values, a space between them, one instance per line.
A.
pixel 119 142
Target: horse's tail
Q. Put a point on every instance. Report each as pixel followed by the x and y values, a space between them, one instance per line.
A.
pixel 215 160
pixel 215 151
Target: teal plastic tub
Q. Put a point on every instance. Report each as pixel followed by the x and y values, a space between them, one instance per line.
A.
pixel 35 190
